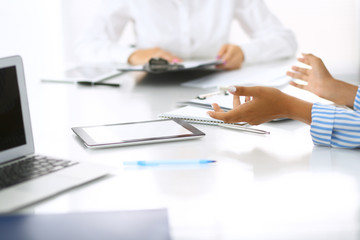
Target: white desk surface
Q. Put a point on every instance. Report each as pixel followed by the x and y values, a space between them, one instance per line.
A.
pixel 277 186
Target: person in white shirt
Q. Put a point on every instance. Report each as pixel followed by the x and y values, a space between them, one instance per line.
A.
pixel 179 30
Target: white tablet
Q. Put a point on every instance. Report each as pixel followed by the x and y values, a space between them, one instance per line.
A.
pixel 123 134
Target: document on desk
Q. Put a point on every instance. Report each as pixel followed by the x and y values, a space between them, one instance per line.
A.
pixel 265 74
pixel 201 63
pixel 83 74
pixel 225 101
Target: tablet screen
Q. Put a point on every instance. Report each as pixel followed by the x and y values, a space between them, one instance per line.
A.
pixel 137 132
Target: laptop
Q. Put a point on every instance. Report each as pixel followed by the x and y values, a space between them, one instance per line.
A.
pixel 26 178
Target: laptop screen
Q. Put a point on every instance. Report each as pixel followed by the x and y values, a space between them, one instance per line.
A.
pixel 12 130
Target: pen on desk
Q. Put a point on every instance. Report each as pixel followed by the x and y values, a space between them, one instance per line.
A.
pixel 82 82
pixel 169 162
pixel 242 128
pixel 206 95
pixel 89 83
pixel 223 88
pixel 57 81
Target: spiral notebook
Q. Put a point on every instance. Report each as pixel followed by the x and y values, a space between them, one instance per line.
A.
pixel 193 114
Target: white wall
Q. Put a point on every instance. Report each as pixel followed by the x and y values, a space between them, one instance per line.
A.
pixel 31 29
pixel 77 16
pixel 329 29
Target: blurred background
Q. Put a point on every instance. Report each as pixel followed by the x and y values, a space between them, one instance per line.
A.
pixel 43 32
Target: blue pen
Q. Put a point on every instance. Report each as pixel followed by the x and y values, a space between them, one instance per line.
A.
pixel 168 162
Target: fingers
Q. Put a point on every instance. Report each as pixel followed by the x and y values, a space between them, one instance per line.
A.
pixel 236 101
pixel 303 73
pixel 160 53
pixel 216 107
pixel 300 73
pixel 228 117
pixel 243 91
pixel 297 75
pixel 301 86
pixel 310 59
pixel 304 60
pixel 222 51
pixel 143 56
pixel 176 60
pixel 218 112
pixel 217 115
pixel 308 56
pixel 301 70
pixel 227 55
pixel 232 57
pixel 167 56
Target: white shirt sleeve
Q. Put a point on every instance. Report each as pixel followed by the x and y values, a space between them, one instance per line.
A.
pixel 269 39
pixel 100 41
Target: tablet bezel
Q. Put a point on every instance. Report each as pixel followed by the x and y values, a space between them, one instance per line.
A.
pixel 91 143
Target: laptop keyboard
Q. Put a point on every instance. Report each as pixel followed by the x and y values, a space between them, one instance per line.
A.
pixel 30 168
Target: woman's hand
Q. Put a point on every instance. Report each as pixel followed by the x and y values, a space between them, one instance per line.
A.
pixel 232 57
pixel 317 78
pixel 319 81
pixel 142 56
pixel 264 104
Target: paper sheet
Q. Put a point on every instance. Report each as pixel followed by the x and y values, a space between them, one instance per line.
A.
pixel 89 73
pixel 224 101
pixel 267 74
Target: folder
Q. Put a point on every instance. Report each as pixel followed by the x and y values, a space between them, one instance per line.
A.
pixel 159 65
pixel 130 225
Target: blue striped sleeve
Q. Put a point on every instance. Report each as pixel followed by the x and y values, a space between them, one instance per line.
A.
pixel 335 126
pixel 357 101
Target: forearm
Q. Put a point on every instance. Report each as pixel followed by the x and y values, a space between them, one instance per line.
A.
pixel 297 109
pixel 341 93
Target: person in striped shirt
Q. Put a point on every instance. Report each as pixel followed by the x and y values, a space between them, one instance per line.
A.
pixel 331 125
